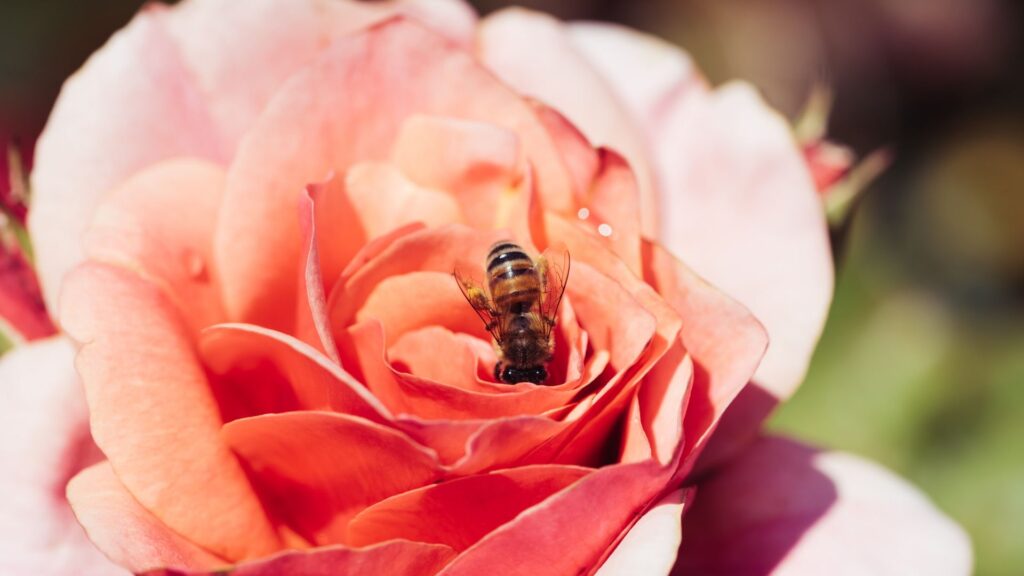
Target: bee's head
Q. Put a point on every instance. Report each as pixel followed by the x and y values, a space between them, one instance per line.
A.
pixel 532 374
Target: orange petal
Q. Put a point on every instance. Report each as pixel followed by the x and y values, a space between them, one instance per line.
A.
pixel 437 354
pixel 399 69
pixel 573 530
pixel 153 413
pixel 125 531
pixel 473 161
pixel 420 251
pixel 395 557
pixel 259 371
pixel 663 402
pixel 321 468
pixel 410 394
pixel 160 223
pixel 534 53
pixel 311 322
pixel 458 513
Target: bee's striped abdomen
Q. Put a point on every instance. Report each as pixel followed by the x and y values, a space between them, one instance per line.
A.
pixel 512 278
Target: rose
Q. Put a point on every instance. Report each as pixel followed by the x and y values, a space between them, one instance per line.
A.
pixel 223 440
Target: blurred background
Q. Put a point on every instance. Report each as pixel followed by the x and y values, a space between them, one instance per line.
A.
pixel 922 363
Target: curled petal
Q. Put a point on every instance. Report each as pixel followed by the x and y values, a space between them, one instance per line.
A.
pixel 322 468
pixel 651 545
pixel 461 511
pixel 157 420
pixel 125 531
pixel 534 53
pixel 395 557
pixel 332 130
pixel 160 223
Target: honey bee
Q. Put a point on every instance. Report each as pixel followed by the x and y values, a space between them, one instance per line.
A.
pixel 518 309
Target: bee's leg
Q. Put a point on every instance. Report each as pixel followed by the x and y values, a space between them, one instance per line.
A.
pixel 499 367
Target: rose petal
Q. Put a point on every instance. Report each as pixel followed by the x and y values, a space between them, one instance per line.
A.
pixel 533 52
pixel 569 532
pixel 461 511
pixel 473 161
pixel 322 468
pixel 260 371
pixel 240 67
pixel 157 420
pixel 125 531
pixel 725 341
pixel 312 324
pixel 187 86
pixel 613 207
pixel 648 75
pixel 410 394
pixel 160 223
pixel 784 508
pixel 396 557
pixel 96 137
pixel 740 208
pixel 330 129
pixel 46 440
pixel 651 545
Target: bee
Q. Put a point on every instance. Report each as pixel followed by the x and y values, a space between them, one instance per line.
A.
pixel 518 308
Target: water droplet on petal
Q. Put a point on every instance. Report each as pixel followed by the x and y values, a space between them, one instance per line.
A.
pixel 583 213
pixel 195 267
pixel 604 230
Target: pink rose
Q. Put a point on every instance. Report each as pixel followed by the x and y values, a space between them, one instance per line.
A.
pixel 248 231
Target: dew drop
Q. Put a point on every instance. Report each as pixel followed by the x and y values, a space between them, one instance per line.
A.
pixel 583 213
pixel 195 267
pixel 604 230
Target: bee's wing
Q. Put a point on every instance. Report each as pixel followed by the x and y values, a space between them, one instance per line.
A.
pixel 479 300
pixel 553 267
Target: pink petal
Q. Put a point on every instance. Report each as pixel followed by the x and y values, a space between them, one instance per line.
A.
pixel 783 508
pixel 458 513
pixel 395 557
pixel 96 137
pixel 238 68
pixel 399 70
pixel 534 53
pixel 647 74
pixel 741 209
pixel 160 222
pixel 258 371
pixel 321 468
pixel 153 413
pixel 128 533
pixel 46 440
pixel 651 545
